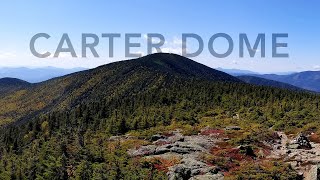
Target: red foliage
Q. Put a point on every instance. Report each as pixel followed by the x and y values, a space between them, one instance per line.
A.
pixel 161 167
pixel 212 132
pixel 163 164
pixel 225 150
pixel 314 138
pixel 233 154
pixel 266 150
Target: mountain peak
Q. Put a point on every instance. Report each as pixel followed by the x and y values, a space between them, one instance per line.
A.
pixel 177 65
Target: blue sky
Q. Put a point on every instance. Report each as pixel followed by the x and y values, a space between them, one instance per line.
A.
pixel 20 20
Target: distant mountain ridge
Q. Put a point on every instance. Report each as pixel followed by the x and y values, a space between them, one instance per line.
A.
pixel 267 82
pixel 240 72
pixel 309 80
pixel 236 72
pixel 35 75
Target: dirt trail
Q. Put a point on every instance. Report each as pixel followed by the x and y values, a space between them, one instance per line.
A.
pixel 279 148
pixel 284 141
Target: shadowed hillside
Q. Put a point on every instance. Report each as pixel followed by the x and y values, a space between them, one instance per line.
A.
pixel 11 84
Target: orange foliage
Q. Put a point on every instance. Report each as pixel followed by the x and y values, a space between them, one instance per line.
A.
pixel 314 138
pixel 162 164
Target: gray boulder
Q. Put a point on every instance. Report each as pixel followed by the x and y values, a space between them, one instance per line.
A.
pixel 235 128
pixel 179 172
pixel 143 151
pixel 177 137
pixel 191 168
pixel 300 142
pixel 180 148
pixel 208 176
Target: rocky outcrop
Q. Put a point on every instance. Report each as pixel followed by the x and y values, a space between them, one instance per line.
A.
pixel 303 155
pixel 208 176
pixel 175 144
pixel 314 173
pixel 180 148
pixel 190 169
pixel 187 149
pixel 300 142
pixel 143 151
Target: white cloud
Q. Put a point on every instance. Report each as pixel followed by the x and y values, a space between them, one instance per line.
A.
pixel 62 55
pixel 145 36
pixel 152 40
pixel 316 67
pixel 177 41
pixel 7 55
pixel 256 50
pixel 174 50
pixel 234 62
pixel 171 46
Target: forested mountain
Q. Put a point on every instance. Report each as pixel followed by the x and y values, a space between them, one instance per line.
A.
pixel 62 128
pixel 266 82
pixel 123 78
pixel 309 80
pixel 12 84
